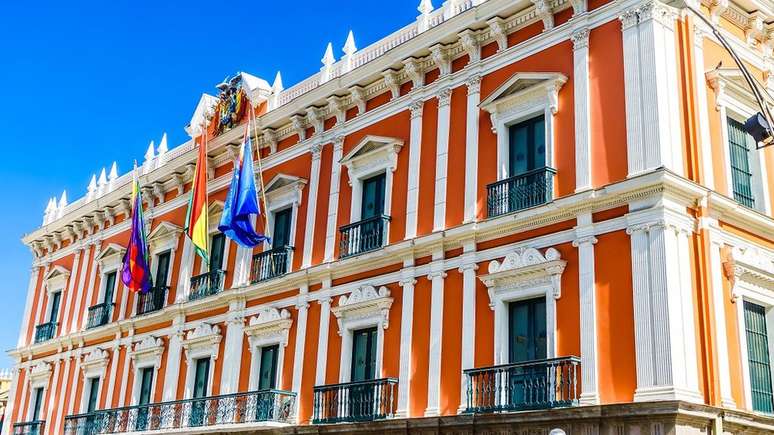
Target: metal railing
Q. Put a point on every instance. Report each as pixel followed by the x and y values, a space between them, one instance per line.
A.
pixel 238 408
pixel 355 401
pixel 152 300
pixel 29 428
pixel 271 264
pixel 45 331
pixel 525 190
pixel 206 284
pixel 538 384
pixel 363 236
pixel 99 315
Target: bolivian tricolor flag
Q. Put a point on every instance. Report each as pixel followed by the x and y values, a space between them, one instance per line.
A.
pixel 196 223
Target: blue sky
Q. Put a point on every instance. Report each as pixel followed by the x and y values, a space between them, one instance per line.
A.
pixel 87 83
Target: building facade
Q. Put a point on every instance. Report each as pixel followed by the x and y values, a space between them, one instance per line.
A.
pixel 506 216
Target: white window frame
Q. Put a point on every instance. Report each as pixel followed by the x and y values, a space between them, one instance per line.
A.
pixel 145 354
pixel 734 101
pixel 109 261
pixel 269 327
pixel 38 377
pixel 283 192
pixel 512 103
pixel 524 273
pixel 164 238
pixel 753 281
pixel 374 155
pixel 201 342
pixel 56 281
pixel 94 365
pixel 363 307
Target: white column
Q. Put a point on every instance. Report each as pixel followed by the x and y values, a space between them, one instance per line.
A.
pixel 415 150
pixel 302 307
pixel 127 342
pixel 407 281
pixel 580 40
pixel 322 338
pixel 588 310
pixel 54 396
pixel 174 353
pixel 642 305
pixel 442 159
pixel 436 276
pixel 311 205
pixel 68 296
pixel 90 286
pixel 58 417
pixel 26 319
pixel 471 148
pixel 468 270
pixel 232 355
pixel 718 302
pixel 333 200
pixel 186 266
pixel 87 260
pixel 705 142
pixel 111 380
pixel 635 153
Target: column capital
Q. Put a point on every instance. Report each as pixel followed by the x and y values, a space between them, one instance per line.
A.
pixel 444 97
pixel 580 38
pixel 474 84
pixel 629 19
pixel 468 266
pixel 584 241
pixel 436 274
pixel 416 108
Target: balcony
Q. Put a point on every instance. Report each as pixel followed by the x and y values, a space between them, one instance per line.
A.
pixel 29 428
pixel 364 236
pixel 152 300
pixel 539 384
pixel 99 315
pixel 271 264
pixel 231 409
pixel 206 284
pixel 525 190
pixel 45 331
pixel 355 401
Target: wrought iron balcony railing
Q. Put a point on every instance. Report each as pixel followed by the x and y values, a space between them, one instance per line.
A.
pixel 99 315
pixel 525 190
pixel 206 284
pixel 29 428
pixel 238 408
pixel 45 331
pixel 355 401
pixel 366 235
pixel 271 264
pixel 152 300
pixel 539 384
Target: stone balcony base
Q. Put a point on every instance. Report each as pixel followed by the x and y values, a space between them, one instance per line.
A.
pixel 643 418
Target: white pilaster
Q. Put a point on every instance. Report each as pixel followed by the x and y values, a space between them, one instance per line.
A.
pixel 127 342
pixel 90 287
pixel 407 281
pixel 635 153
pixel 580 40
pixel 333 199
pixel 54 396
pixel 471 148
pixel 442 159
pixel 232 355
pixel 468 270
pixel 186 266
pixel 111 381
pixel 436 276
pixel 415 149
pixel 588 310
pixel 31 286
pixel 311 205
pixel 68 296
pixel 302 307
pixel 58 416
pixel 705 142
pixel 174 354
pixel 88 259
pixel 322 339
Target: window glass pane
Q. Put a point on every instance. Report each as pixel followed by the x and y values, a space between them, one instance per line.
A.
pixel 741 172
pixel 93 394
pixel 527 146
pixel 56 298
pixel 200 381
pixel 373 197
pixel 110 284
pixel 363 354
pixel 146 385
pixel 268 372
pixel 216 251
pixel 281 236
pixel 37 404
pixel 527 324
pixel 162 269
pixel 758 354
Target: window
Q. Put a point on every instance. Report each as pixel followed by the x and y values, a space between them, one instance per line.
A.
pixel 217 249
pixel 267 378
pixel 162 269
pixel 281 234
pixel 91 405
pixel 55 301
pixel 369 233
pixel 758 356
pixel 745 178
pixel 36 404
pixel 363 354
pixel 372 205
pixel 201 378
pixel 146 385
pixel 527 330
pixel 527 146
pixel 110 285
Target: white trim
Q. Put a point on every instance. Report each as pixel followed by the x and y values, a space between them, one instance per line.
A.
pixel 441 158
pixel 322 337
pixel 407 282
pixel 588 309
pixel 267 328
pixel 333 199
pixel 436 275
pixel 719 313
pixel 200 343
pixel 415 150
pixel 146 353
pixel 311 208
pixel 471 148
pixel 582 112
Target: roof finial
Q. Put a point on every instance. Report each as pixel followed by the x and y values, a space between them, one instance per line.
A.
pixel 277 86
pixel 62 203
pixel 163 148
pixel 150 153
pixel 113 172
pixel 423 20
pixel 92 184
pixel 349 45
pixel 327 62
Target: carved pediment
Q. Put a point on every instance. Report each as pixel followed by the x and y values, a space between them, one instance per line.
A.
pixel 373 153
pixel 752 266
pixel 164 236
pixel 524 268
pixel 94 363
pixel 202 341
pixel 270 325
pixel 525 87
pixel 39 374
pixel 364 302
pixel 284 189
pixel 147 352
pixel 56 278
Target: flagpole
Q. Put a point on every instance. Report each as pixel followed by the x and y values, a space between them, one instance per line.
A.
pixel 260 171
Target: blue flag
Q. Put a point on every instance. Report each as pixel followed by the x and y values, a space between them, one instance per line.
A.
pixel 242 201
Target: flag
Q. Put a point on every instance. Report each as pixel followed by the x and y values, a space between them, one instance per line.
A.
pixel 196 222
pixel 242 200
pixel 135 273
